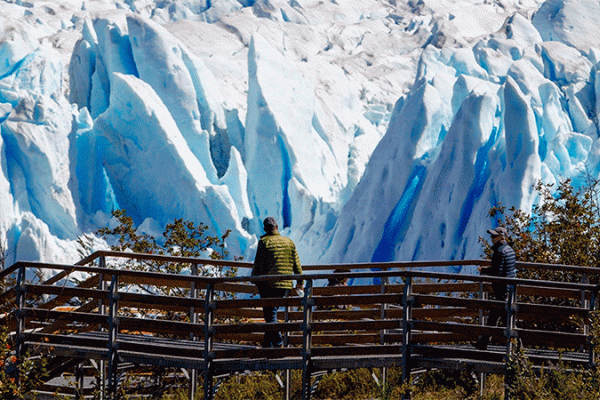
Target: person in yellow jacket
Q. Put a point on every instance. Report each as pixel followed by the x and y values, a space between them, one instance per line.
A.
pixel 275 255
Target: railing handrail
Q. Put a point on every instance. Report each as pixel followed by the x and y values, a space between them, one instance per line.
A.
pixel 304 277
pixel 317 267
pixel 564 267
pixel 7 271
pixel 310 267
pixel 161 257
pixel 248 264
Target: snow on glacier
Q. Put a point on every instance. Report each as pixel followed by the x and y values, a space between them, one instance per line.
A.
pixel 570 22
pixel 373 131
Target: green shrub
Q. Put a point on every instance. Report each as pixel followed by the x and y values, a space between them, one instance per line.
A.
pixel 259 385
pixel 31 372
pixel 354 384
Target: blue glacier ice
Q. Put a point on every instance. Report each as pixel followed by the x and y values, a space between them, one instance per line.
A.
pixel 372 130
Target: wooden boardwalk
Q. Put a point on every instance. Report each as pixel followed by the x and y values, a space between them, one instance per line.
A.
pixel 402 315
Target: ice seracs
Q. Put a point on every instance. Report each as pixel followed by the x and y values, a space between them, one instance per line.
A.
pixel 142 136
pixel 517 110
pixel 282 135
pixel 158 60
pixel 372 130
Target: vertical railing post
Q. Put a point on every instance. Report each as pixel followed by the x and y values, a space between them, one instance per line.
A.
pixel 20 329
pixel 194 320
pixel 79 382
pixel 113 330
pixel 382 333
pixel 307 304
pixel 511 311
pixel 482 296
pixel 208 342
pixel 288 376
pixel 585 303
pixel 406 327
pixel 101 311
pixel 590 339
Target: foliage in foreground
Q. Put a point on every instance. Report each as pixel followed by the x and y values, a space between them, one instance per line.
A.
pixel 558 383
pixel 30 372
pixel 563 228
pixel 358 384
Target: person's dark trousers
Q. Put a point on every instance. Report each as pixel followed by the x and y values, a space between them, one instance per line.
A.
pixel 494 317
pixel 272 339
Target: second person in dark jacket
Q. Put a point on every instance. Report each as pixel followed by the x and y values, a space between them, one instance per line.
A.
pixel 502 265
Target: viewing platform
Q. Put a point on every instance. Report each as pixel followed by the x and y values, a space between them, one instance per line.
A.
pixel 400 314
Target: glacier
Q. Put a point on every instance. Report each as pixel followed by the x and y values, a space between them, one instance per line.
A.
pixel 373 131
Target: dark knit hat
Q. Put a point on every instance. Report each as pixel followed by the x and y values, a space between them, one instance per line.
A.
pixel 499 231
pixel 269 224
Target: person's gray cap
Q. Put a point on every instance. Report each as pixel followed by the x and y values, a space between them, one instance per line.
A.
pixel 269 224
pixel 499 231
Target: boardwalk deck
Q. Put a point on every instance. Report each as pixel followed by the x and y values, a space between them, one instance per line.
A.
pixel 188 354
pixel 411 318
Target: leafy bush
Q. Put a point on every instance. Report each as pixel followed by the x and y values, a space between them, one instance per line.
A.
pixel 353 384
pixel 558 383
pixel 257 385
pixel 18 380
pixel 180 239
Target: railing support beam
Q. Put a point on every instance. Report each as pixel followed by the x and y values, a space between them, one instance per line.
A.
pixel 406 326
pixel 383 332
pixel 591 344
pixel 208 342
pixel 113 331
pixel 482 296
pixel 307 303
pixel 20 329
pixel 194 320
pixel 511 312
pixel 102 311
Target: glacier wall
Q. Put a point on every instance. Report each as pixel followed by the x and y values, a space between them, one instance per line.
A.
pixel 481 125
pixel 373 131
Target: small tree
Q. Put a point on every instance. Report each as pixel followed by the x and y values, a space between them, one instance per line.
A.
pixel 180 238
pixel 564 228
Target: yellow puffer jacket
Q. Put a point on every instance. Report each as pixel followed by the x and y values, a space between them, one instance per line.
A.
pixel 276 255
